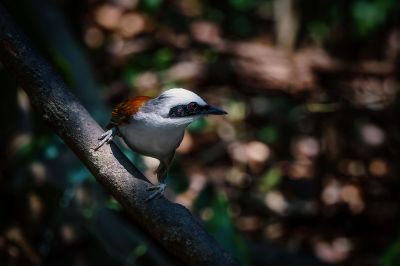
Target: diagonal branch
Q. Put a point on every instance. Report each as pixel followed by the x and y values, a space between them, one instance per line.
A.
pixel 170 224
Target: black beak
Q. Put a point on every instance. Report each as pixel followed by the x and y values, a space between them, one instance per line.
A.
pixel 210 110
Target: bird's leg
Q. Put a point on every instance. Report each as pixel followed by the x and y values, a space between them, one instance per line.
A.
pixel 159 189
pixel 107 137
pixel 161 172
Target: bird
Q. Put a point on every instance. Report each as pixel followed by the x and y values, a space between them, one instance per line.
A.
pixel 155 127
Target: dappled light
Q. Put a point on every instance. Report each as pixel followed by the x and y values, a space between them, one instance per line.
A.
pixel 303 170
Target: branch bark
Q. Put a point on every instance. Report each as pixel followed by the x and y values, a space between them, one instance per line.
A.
pixel 171 224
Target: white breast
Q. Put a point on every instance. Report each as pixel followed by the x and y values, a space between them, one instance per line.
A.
pixel 151 138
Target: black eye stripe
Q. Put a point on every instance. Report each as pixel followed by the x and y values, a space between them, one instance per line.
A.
pixel 178 111
pixel 181 110
pixel 186 110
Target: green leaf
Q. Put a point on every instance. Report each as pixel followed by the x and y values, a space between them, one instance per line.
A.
pixel 268 134
pixel 222 228
pixel 271 179
pixel 368 15
pixel 151 5
pixel 318 30
pixel 241 4
pixel 391 257
pixel 163 58
pixel 113 205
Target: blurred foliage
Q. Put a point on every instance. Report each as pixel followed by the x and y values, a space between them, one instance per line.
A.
pixel 369 15
pixel 303 170
pixel 221 226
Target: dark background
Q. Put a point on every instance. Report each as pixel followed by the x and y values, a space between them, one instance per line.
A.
pixel 303 171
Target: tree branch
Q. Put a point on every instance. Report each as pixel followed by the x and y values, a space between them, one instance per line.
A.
pixel 171 224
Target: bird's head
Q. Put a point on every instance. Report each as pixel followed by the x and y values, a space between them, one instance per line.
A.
pixel 180 106
pixel 174 107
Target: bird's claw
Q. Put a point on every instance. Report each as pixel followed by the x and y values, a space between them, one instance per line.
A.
pixel 159 190
pixel 106 137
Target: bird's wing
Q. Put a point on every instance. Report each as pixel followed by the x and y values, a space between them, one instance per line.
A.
pixel 123 111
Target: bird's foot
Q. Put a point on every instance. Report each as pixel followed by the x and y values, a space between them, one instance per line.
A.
pixel 158 191
pixel 107 137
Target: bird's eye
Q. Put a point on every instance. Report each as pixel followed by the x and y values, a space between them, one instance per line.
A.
pixel 192 107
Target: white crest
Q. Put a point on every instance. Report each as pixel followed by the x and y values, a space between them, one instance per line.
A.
pixel 179 96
